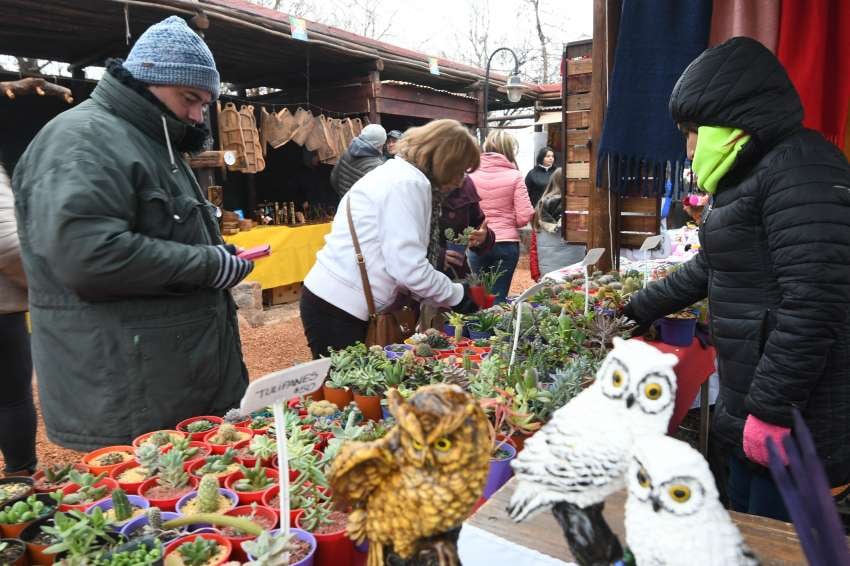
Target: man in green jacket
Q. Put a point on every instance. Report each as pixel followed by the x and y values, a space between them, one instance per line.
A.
pixel 133 328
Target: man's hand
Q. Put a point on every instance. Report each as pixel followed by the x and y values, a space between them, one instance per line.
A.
pixel 453 259
pixel 479 236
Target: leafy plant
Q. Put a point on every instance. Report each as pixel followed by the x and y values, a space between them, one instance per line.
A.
pixel 24 511
pixel 270 550
pixel 198 552
pixel 144 555
pixel 87 492
pixel 394 374
pixel 460 239
pixel 369 380
pixel 485 321
pixel 57 474
pixel 506 419
pixel 201 425
pixel 80 535
pixel 255 479
pixel 490 276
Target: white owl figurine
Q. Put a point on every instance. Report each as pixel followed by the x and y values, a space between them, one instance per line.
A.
pixel 673 513
pixel 581 455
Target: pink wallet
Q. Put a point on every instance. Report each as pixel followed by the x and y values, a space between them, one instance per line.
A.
pixel 256 252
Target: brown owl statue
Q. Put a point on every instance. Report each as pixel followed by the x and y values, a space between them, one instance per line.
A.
pixel 421 479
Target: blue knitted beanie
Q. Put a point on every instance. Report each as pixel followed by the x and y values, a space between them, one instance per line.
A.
pixel 170 53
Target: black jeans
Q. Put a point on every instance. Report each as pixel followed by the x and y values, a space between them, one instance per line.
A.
pixel 17 411
pixel 752 490
pixel 327 326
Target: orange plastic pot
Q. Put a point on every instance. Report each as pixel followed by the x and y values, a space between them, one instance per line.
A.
pixel 369 405
pixel 96 469
pixel 198 436
pixel 111 485
pixel 248 497
pixel 339 397
pixel 220 540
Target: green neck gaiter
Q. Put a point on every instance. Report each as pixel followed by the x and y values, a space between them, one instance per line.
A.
pixel 716 152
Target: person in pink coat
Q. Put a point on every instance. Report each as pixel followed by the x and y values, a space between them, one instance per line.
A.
pixel 505 203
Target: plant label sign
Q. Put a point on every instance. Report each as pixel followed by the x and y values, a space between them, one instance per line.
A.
pixel 651 243
pixel 285 384
pixel 591 258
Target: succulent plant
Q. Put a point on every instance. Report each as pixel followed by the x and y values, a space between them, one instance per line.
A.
pixel 198 552
pixel 218 463
pixel 424 350
pixel 270 550
pixel 182 447
pixel 200 426
pixel 148 456
pixel 454 375
pixel 121 505
pixel 233 416
pixel 87 491
pixel 226 434
pixel 208 495
pixel 154 515
pixel 255 479
pixel 23 511
pixel 57 473
pixel 263 447
pixel 171 471
pixel 159 439
pixel 110 459
pixel 322 409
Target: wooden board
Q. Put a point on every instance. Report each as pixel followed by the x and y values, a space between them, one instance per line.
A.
pixel 577 236
pixel 578 154
pixel 576 221
pixel 579 84
pixel 579 67
pixel 773 541
pixel 578 170
pixel 578 102
pixel 578 137
pixel 578 187
pixel 644 205
pixel 282 295
pixel 579 119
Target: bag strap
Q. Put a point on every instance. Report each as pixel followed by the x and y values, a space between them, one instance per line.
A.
pixel 361 262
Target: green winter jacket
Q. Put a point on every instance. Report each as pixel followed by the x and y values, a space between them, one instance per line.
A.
pixel 117 244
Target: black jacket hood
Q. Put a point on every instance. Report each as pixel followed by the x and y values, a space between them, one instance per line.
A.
pixel 739 84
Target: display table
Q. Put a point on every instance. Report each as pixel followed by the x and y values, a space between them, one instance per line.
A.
pixel 293 252
pixel 490 537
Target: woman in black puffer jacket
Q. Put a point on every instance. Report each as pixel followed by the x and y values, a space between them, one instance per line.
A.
pixel 774 266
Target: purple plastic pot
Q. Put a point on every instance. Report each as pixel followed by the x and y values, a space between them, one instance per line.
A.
pixel 306 537
pixel 459 248
pixel 362 547
pixel 500 472
pixel 479 335
pixel 389 349
pixel 449 330
pixel 137 523
pixel 677 332
pixel 192 494
pixel 106 504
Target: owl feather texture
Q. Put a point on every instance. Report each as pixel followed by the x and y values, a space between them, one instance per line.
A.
pixel 421 479
pixel 581 455
pixel 673 512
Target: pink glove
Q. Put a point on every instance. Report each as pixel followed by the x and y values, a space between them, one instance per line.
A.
pixel 756 433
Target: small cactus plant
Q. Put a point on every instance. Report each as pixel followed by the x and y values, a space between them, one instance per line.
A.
pixel 227 434
pixel 233 416
pixel 208 495
pixel 159 439
pixel 322 409
pixel 182 447
pixel 154 515
pixel 424 350
pixel 198 552
pixel 121 505
pixel 148 457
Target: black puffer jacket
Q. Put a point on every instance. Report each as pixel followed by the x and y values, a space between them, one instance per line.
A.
pixel 360 158
pixel 775 257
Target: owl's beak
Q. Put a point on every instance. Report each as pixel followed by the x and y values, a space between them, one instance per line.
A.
pixel 656 504
pixel 630 400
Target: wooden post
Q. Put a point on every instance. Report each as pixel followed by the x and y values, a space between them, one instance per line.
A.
pixel 604 207
pixel 374 91
pixel 565 151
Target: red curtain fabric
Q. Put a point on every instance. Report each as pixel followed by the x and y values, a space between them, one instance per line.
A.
pixel 758 19
pixel 533 261
pixel 814 46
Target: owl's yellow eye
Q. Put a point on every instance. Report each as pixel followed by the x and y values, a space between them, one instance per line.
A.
pixel 643 481
pixel 652 391
pixel 443 444
pixel 617 378
pixel 417 445
pixel 679 493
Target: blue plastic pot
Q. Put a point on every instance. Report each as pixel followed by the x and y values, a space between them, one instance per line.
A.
pixel 479 335
pixel 677 331
pixel 449 330
pixel 459 248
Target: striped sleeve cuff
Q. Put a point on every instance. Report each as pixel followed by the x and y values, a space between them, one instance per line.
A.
pixel 231 269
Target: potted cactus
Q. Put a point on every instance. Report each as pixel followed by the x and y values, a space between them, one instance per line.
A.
pixel 226 436
pixel 159 438
pixel 368 389
pixel 328 526
pixel 206 549
pixel 274 549
pixel 130 475
pixel 263 516
pixel 84 490
pixel 16 517
pixel 209 498
pixel 222 466
pixel 108 458
pixel 261 448
pixel 120 507
pixel 55 477
pixel 170 484
pixel 458 242
pixel 13 552
pixel 197 427
pixel 251 483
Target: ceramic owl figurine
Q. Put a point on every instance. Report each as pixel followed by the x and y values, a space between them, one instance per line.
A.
pixel 421 479
pixel 581 455
pixel 673 512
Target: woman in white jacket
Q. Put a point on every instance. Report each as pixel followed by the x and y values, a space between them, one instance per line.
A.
pixel 395 209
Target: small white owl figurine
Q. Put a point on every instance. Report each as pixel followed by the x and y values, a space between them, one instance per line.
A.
pixel 673 513
pixel 582 454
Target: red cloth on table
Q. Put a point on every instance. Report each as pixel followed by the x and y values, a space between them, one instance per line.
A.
pixel 696 364
pixel 533 259
pixel 813 46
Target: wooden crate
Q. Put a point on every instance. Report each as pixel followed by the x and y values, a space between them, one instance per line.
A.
pixel 282 295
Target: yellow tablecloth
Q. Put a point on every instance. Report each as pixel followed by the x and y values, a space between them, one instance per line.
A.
pixel 293 252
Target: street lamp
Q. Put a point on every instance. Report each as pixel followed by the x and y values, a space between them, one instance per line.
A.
pixel 513 87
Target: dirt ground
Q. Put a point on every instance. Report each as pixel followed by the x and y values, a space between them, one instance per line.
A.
pixel 266 348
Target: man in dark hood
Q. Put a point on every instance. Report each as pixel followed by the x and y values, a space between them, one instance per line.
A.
pixel 773 263
pixel 363 154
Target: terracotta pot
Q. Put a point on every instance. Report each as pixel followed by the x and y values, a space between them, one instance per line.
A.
pixel 221 479
pixel 316 395
pixel 21 559
pixel 198 436
pixel 141 439
pixel 96 469
pixel 339 397
pixel 165 504
pixel 264 514
pixel 35 552
pixel 14 530
pixel 40 487
pixel 132 488
pixel 111 485
pixel 220 540
pixel 369 405
pixel 221 448
pixel 248 497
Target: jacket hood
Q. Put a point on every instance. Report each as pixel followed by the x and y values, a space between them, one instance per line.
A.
pixel 361 148
pixel 740 84
pixel 494 160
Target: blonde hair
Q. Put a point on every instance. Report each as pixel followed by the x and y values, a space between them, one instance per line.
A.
pixel 443 149
pixel 553 188
pixel 500 141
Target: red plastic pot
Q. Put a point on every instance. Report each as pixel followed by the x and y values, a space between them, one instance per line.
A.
pixel 204 450
pixel 198 436
pixel 165 504
pixel 221 448
pixel 38 477
pixel 489 301
pixel 265 517
pixel 141 439
pixel 333 549
pixel 111 485
pixel 248 497
pixel 131 488
pixel 269 495
pixel 95 469
pixel 478 294
pixel 220 540
pixel 221 479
